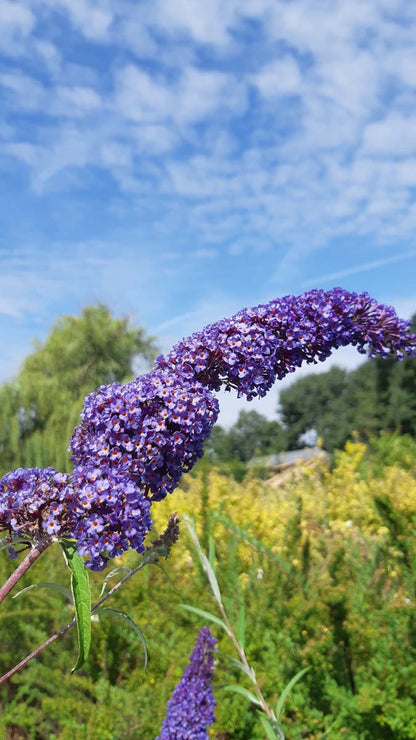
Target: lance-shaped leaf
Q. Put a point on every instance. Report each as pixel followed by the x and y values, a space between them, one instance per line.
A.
pixel 209 571
pixel 272 729
pixel 249 671
pixel 132 625
pixel 244 692
pixel 286 691
pixel 50 586
pixel 241 625
pixel 122 571
pixel 81 594
pixel 206 615
pixel 211 552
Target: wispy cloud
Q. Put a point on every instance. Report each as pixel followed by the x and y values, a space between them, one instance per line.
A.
pixel 315 152
pixel 357 269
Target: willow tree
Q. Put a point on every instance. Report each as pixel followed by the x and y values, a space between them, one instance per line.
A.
pixel 39 409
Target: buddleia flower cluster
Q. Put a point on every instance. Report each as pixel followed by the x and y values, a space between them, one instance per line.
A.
pixel 105 513
pixel 255 347
pixel 32 501
pixel 190 711
pixel 135 440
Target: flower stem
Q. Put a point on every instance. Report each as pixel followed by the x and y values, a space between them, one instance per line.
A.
pixel 38 650
pixel 21 569
pixel 242 656
pixel 150 556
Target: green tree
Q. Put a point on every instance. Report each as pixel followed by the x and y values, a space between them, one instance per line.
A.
pixel 252 435
pixel 365 408
pixel 40 408
pixel 400 393
pixel 317 402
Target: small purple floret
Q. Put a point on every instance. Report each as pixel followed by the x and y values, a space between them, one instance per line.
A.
pixel 190 711
pixel 109 515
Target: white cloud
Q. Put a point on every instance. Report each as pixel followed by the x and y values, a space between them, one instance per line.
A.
pixel 337 159
pixel 321 28
pixel 203 93
pixel 394 135
pixel 68 150
pixel 351 81
pixel 280 77
pixel 49 54
pixel 74 102
pixel 207 23
pixel 364 267
pixel 16 25
pixel 140 97
pixel 191 98
pixel 400 63
pixel 23 92
pixel 91 18
pixel 154 138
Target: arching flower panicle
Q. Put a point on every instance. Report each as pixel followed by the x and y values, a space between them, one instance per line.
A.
pixel 259 345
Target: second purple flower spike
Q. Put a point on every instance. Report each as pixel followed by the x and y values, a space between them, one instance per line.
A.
pixel 190 711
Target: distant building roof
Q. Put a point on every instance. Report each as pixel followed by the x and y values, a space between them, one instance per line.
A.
pixel 294 456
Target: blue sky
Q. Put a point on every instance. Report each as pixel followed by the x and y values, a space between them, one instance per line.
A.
pixel 180 159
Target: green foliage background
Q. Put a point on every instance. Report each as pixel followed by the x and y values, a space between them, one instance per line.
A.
pixel 320 590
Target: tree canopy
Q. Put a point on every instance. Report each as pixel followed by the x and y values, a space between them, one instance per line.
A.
pixel 251 436
pixel 39 409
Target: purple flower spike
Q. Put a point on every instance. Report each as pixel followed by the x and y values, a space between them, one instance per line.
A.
pixel 106 513
pixel 190 711
pixel 255 347
pixel 152 429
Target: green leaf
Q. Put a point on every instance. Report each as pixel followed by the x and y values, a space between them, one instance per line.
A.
pixel 51 586
pixel 241 625
pixel 326 733
pixel 286 691
pixel 204 560
pixel 211 552
pixel 206 615
pixel 250 672
pixel 273 733
pixel 131 624
pixel 167 576
pixel 112 574
pixel 244 692
pixel 82 599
